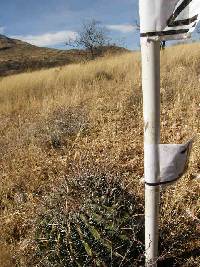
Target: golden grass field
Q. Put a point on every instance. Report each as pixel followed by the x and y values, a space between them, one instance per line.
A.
pixel 87 119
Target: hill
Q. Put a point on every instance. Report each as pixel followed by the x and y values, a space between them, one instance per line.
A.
pixel 17 56
pixel 71 163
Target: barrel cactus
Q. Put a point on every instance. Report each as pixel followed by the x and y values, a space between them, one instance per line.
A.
pixel 106 229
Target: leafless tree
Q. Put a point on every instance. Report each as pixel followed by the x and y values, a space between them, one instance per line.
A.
pixel 93 37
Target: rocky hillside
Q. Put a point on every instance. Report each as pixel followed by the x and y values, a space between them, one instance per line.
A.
pixel 17 56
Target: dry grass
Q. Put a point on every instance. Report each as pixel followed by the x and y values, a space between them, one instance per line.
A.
pixel 87 119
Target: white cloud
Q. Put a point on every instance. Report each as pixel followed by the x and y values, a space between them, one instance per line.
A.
pixel 48 39
pixel 2 30
pixel 124 28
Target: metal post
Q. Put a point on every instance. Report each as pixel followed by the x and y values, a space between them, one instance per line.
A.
pixel 151 110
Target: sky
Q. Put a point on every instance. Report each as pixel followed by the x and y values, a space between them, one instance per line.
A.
pixel 51 22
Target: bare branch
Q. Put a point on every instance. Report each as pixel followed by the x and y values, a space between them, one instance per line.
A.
pixel 93 37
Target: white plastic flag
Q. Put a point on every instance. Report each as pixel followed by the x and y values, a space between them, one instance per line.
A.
pixel 168 19
pixel 173 161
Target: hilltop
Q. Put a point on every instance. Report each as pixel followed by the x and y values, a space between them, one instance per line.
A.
pixel 17 56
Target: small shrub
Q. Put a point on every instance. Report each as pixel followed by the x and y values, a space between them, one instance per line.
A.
pixel 103 75
pixel 105 230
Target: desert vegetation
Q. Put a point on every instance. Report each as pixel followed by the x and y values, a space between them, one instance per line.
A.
pixel 71 163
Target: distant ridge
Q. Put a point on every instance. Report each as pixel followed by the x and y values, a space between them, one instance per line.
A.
pixel 17 56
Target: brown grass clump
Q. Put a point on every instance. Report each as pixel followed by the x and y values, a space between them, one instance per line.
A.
pixel 86 120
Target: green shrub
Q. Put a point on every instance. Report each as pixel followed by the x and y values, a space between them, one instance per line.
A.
pixel 105 229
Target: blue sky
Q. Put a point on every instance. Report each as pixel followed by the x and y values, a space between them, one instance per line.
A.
pixel 51 22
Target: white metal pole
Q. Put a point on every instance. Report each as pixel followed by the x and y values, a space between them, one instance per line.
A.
pixel 151 110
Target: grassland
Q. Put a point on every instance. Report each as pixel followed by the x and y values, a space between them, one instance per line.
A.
pixel 86 119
